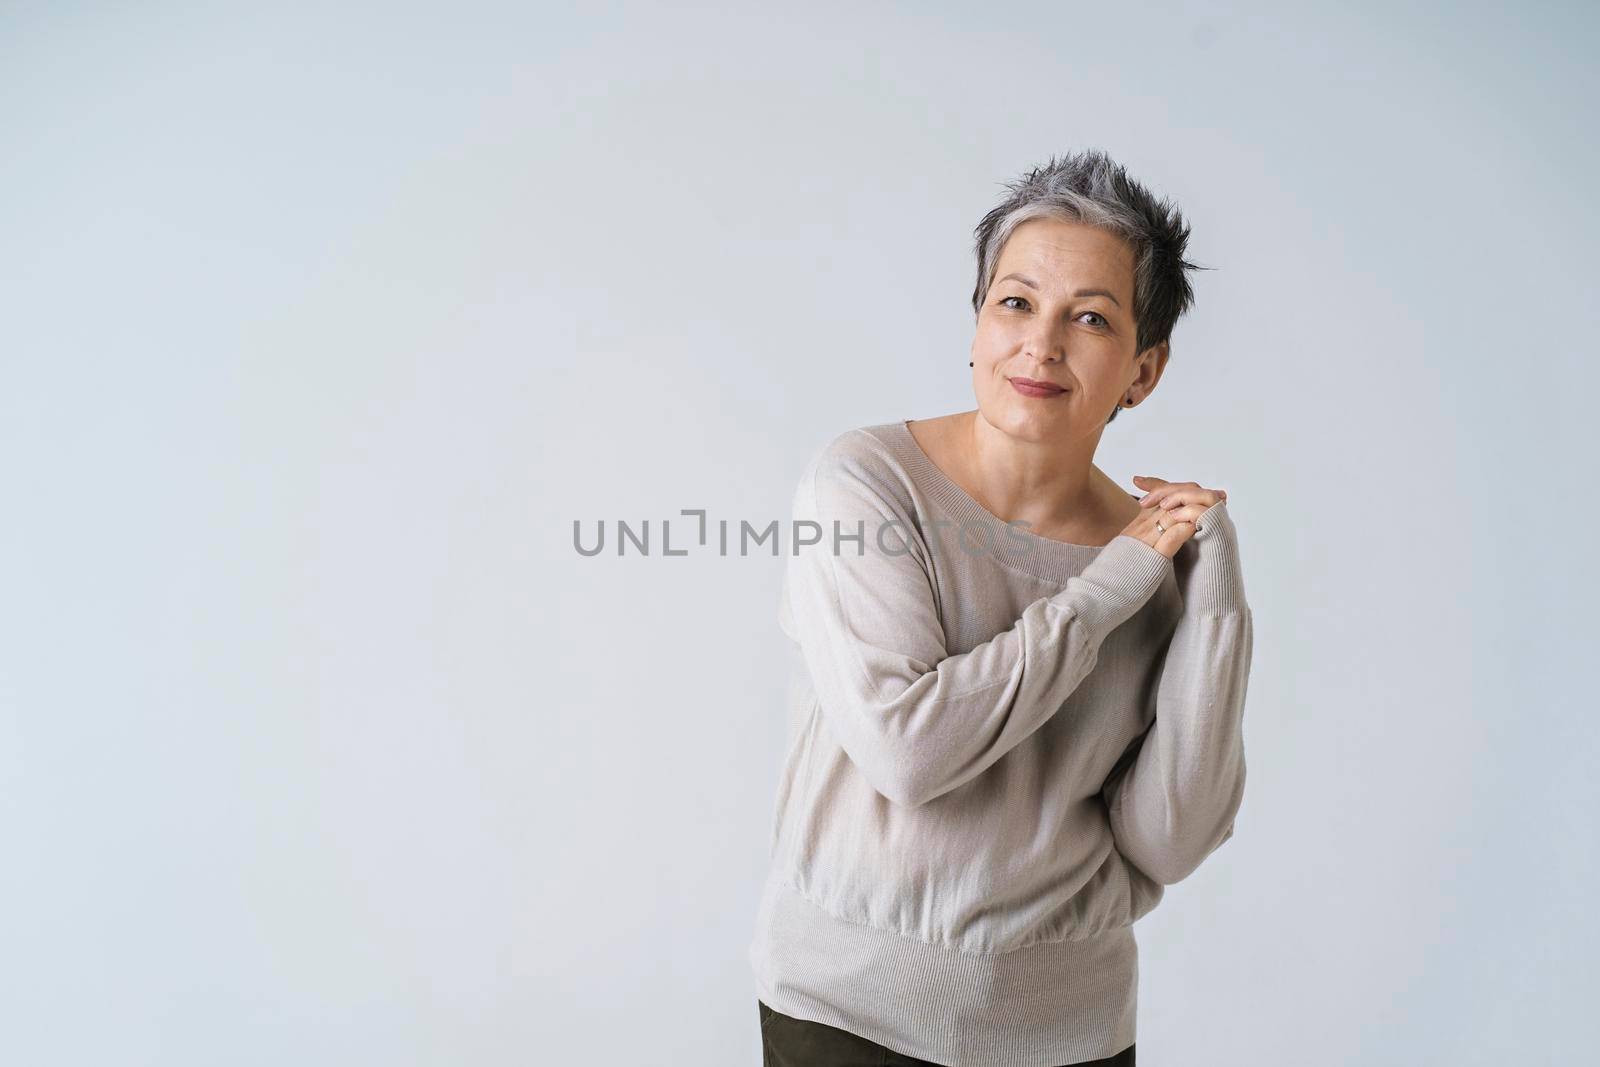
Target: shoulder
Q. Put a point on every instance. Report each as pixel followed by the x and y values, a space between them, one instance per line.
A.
pixel 863 451
pixel 863 460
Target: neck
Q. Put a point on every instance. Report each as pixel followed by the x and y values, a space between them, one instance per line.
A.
pixel 1051 484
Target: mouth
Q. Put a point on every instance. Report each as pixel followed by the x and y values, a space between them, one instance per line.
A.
pixel 1029 387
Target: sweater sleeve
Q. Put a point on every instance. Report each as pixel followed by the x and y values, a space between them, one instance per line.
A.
pixel 1174 803
pixel 915 720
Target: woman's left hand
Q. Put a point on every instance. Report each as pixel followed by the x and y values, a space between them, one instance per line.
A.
pixel 1184 501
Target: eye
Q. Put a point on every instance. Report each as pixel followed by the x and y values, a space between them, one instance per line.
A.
pixel 1103 321
pixel 1004 299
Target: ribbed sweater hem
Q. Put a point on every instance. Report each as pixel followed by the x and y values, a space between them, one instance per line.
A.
pixel 1053 1003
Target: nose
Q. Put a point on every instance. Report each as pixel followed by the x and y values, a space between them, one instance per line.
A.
pixel 1045 344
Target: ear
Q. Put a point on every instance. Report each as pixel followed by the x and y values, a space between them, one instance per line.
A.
pixel 1152 363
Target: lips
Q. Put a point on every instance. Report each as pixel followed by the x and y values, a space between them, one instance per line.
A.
pixel 1030 387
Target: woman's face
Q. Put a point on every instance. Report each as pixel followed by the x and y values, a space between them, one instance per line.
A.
pixel 1060 310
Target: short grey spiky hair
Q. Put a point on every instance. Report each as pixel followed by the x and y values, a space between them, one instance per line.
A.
pixel 1089 187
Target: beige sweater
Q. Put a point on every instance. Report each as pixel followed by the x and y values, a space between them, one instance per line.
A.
pixel 1001 748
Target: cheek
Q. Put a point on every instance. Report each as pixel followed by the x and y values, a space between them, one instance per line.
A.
pixel 988 350
pixel 988 337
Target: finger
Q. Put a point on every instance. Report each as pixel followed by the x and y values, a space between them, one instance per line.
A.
pixel 1169 517
pixel 1189 513
pixel 1186 515
pixel 1173 533
pixel 1188 493
pixel 1168 491
pixel 1169 534
pixel 1151 485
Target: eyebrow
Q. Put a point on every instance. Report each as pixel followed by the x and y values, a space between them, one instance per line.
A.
pixel 1031 284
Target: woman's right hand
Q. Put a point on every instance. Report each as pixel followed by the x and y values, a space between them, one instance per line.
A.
pixel 1176 506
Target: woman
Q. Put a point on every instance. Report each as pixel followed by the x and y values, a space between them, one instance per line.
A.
pixel 1019 690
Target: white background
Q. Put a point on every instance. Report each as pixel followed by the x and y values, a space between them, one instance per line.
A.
pixel 320 325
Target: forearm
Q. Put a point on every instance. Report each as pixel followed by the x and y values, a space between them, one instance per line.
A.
pixel 1176 801
pixel 916 721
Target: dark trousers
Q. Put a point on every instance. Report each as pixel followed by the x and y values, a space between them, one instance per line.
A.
pixel 790 1042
